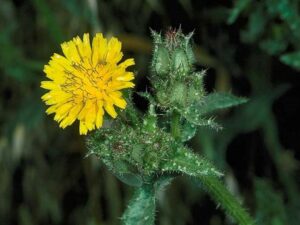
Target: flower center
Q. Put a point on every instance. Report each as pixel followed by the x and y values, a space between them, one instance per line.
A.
pixel 86 82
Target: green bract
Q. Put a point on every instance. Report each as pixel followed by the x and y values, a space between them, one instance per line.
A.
pixel 137 155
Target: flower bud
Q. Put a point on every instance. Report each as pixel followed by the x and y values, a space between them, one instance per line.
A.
pixel 180 62
pixel 179 94
pixel 161 62
pixel 175 82
pixel 188 48
pixel 162 97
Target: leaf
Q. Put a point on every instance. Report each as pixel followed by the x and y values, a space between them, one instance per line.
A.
pixel 186 162
pixel 236 11
pixel 273 46
pixel 196 114
pixel 291 59
pixel 256 26
pixel 188 131
pixel 195 118
pixel 288 12
pixel 216 101
pixel 130 179
pixel 192 116
pixel 266 213
pixel 248 116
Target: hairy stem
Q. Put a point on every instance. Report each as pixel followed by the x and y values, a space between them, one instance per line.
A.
pixel 228 202
pixel 141 209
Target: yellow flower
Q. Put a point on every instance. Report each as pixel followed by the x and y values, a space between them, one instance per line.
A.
pixel 86 81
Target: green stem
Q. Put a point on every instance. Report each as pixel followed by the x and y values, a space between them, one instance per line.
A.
pixel 175 125
pixel 228 202
pixel 141 209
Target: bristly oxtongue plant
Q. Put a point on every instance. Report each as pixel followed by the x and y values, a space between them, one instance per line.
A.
pixel 145 151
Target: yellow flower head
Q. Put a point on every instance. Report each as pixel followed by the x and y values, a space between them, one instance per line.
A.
pixel 86 81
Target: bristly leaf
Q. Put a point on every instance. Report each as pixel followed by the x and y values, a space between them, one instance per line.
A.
pixel 197 113
pixel 188 131
pixel 185 161
pixel 266 213
pixel 216 101
pixel 193 116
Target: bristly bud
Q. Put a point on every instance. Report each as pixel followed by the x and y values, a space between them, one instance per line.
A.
pixel 172 53
pixel 161 61
pixel 180 62
pixel 176 84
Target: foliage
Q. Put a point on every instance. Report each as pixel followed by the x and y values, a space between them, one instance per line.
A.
pixel 283 20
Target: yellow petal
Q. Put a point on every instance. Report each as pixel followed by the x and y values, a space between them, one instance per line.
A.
pixel 50 85
pixel 109 108
pixel 83 47
pixel 60 116
pixel 64 108
pixel 90 126
pixel 114 54
pixel 99 116
pixel 118 101
pixel 128 76
pixel 87 51
pixel 99 49
pixel 84 110
pixel 70 51
pixel 56 97
pixel 67 121
pixel 75 111
pixel 58 76
pixel 127 63
pixel 123 85
pixel 51 109
pixel 72 116
pixel 82 128
pixel 90 117
pixel 61 61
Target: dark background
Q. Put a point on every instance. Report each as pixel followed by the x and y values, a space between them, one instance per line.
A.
pixel 249 48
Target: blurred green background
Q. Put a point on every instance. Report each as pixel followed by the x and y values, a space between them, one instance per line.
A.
pixel 249 48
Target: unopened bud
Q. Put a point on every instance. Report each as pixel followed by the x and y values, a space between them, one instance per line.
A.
pixel 162 61
pixel 180 62
pixel 179 94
